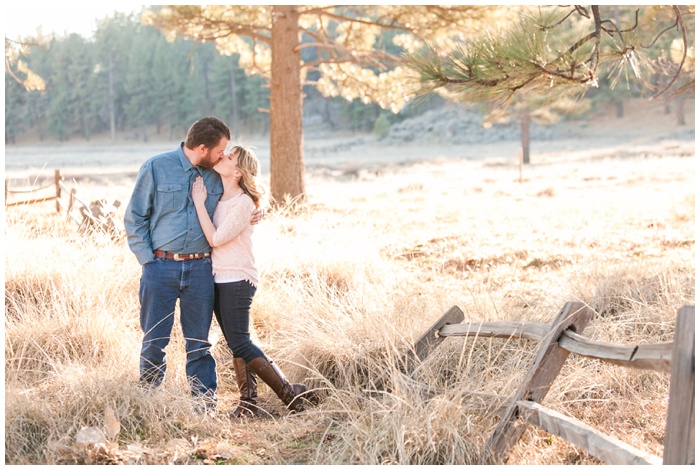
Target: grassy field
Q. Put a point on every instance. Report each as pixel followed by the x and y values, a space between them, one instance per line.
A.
pixel 348 281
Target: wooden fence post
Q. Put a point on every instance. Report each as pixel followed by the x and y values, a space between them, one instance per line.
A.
pixel 424 345
pixel 57 181
pixel 679 443
pixel 430 340
pixel 548 362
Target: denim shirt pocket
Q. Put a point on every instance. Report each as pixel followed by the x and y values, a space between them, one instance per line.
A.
pixel 169 193
pixel 213 196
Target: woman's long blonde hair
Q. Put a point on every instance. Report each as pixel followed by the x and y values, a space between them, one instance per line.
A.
pixel 249 166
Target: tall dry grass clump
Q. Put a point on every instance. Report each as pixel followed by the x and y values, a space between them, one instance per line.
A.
pixel 348 282
pixel 72 340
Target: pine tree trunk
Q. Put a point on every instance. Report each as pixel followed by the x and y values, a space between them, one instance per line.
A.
pixel 112 98
pixel 619 109
pixel 680 112
pixel 525 136
pixel 234 98
pixel 286 139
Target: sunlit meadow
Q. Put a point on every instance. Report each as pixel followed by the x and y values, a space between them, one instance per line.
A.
pixel 350 280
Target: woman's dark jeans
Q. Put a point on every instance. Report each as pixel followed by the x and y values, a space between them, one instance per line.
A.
pixel 232 310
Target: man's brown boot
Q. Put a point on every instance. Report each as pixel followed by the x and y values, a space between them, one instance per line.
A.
pixel 248 387
pixel 272 376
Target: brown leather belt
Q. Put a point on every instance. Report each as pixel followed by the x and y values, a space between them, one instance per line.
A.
pixel 180 257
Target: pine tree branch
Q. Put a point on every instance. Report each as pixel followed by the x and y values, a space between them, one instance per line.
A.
pixel 318 10
pixel 218 28
pixel 22 43
pixel 545 28
pixel 562 75
pixel 595 55
pixel 595 34
pixel 478 81
pixel 370 61
pixel 618 30
pixel 580 42
pixel 662 32
pixel 316 63
pixel 679 19
pixel 234 28
pixel 322 45
pixel 375 57
pixel 377 22
pixel 582 11
pixel 8 70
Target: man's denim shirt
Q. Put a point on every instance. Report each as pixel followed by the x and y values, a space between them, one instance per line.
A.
pixel 161 214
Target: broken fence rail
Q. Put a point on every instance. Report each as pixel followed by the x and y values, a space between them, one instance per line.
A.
pixel 557 341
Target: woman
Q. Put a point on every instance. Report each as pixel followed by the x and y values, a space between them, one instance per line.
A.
pixel 236 278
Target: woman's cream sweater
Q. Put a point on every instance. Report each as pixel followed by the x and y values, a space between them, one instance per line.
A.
pixel 232 254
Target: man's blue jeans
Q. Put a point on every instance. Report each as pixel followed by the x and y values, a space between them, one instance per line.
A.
pixel 163 281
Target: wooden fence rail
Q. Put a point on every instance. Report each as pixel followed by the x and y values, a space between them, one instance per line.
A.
pixel 557 341
pixel 54 184
pixel 645 356
pixel 97 215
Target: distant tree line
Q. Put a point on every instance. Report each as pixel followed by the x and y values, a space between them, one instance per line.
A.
pixel 129 79
pixel 130 83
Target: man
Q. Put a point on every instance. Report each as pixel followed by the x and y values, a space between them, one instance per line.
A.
pixel 164 233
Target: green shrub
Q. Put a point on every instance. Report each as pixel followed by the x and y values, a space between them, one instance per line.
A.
pixel 381 126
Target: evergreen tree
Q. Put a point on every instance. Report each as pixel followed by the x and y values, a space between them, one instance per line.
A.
pixel 551 54
pixel 81 78
pixel 112 43
pixel 270 41
pixel 555 52
pixel 227 83
pixel 255 105
pixel 37 102
pixel 127 79
pixel 64 107
pixel 196 99
pixel 140 85
pixel 15 115
pixel 168 85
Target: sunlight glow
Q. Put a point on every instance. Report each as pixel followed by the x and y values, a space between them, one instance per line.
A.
pixel 23 19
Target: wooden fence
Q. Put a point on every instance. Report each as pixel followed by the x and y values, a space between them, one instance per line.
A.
pixel 557 341
pixel 94 216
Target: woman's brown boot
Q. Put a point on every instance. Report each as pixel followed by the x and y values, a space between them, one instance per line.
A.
pixel 248 387
pixel 272 376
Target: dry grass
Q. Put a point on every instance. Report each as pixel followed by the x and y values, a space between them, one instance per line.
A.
pixel 348 282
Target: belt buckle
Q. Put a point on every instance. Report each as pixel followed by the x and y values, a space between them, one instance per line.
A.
pixel 176 257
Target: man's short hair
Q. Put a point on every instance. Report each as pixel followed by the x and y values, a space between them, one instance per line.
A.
pixel 207 131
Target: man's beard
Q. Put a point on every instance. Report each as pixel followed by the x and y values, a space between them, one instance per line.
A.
pixel 208 161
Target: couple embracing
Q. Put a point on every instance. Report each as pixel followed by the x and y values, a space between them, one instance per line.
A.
pixel 189 222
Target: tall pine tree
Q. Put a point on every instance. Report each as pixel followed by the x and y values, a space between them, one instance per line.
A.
pixel 269 41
